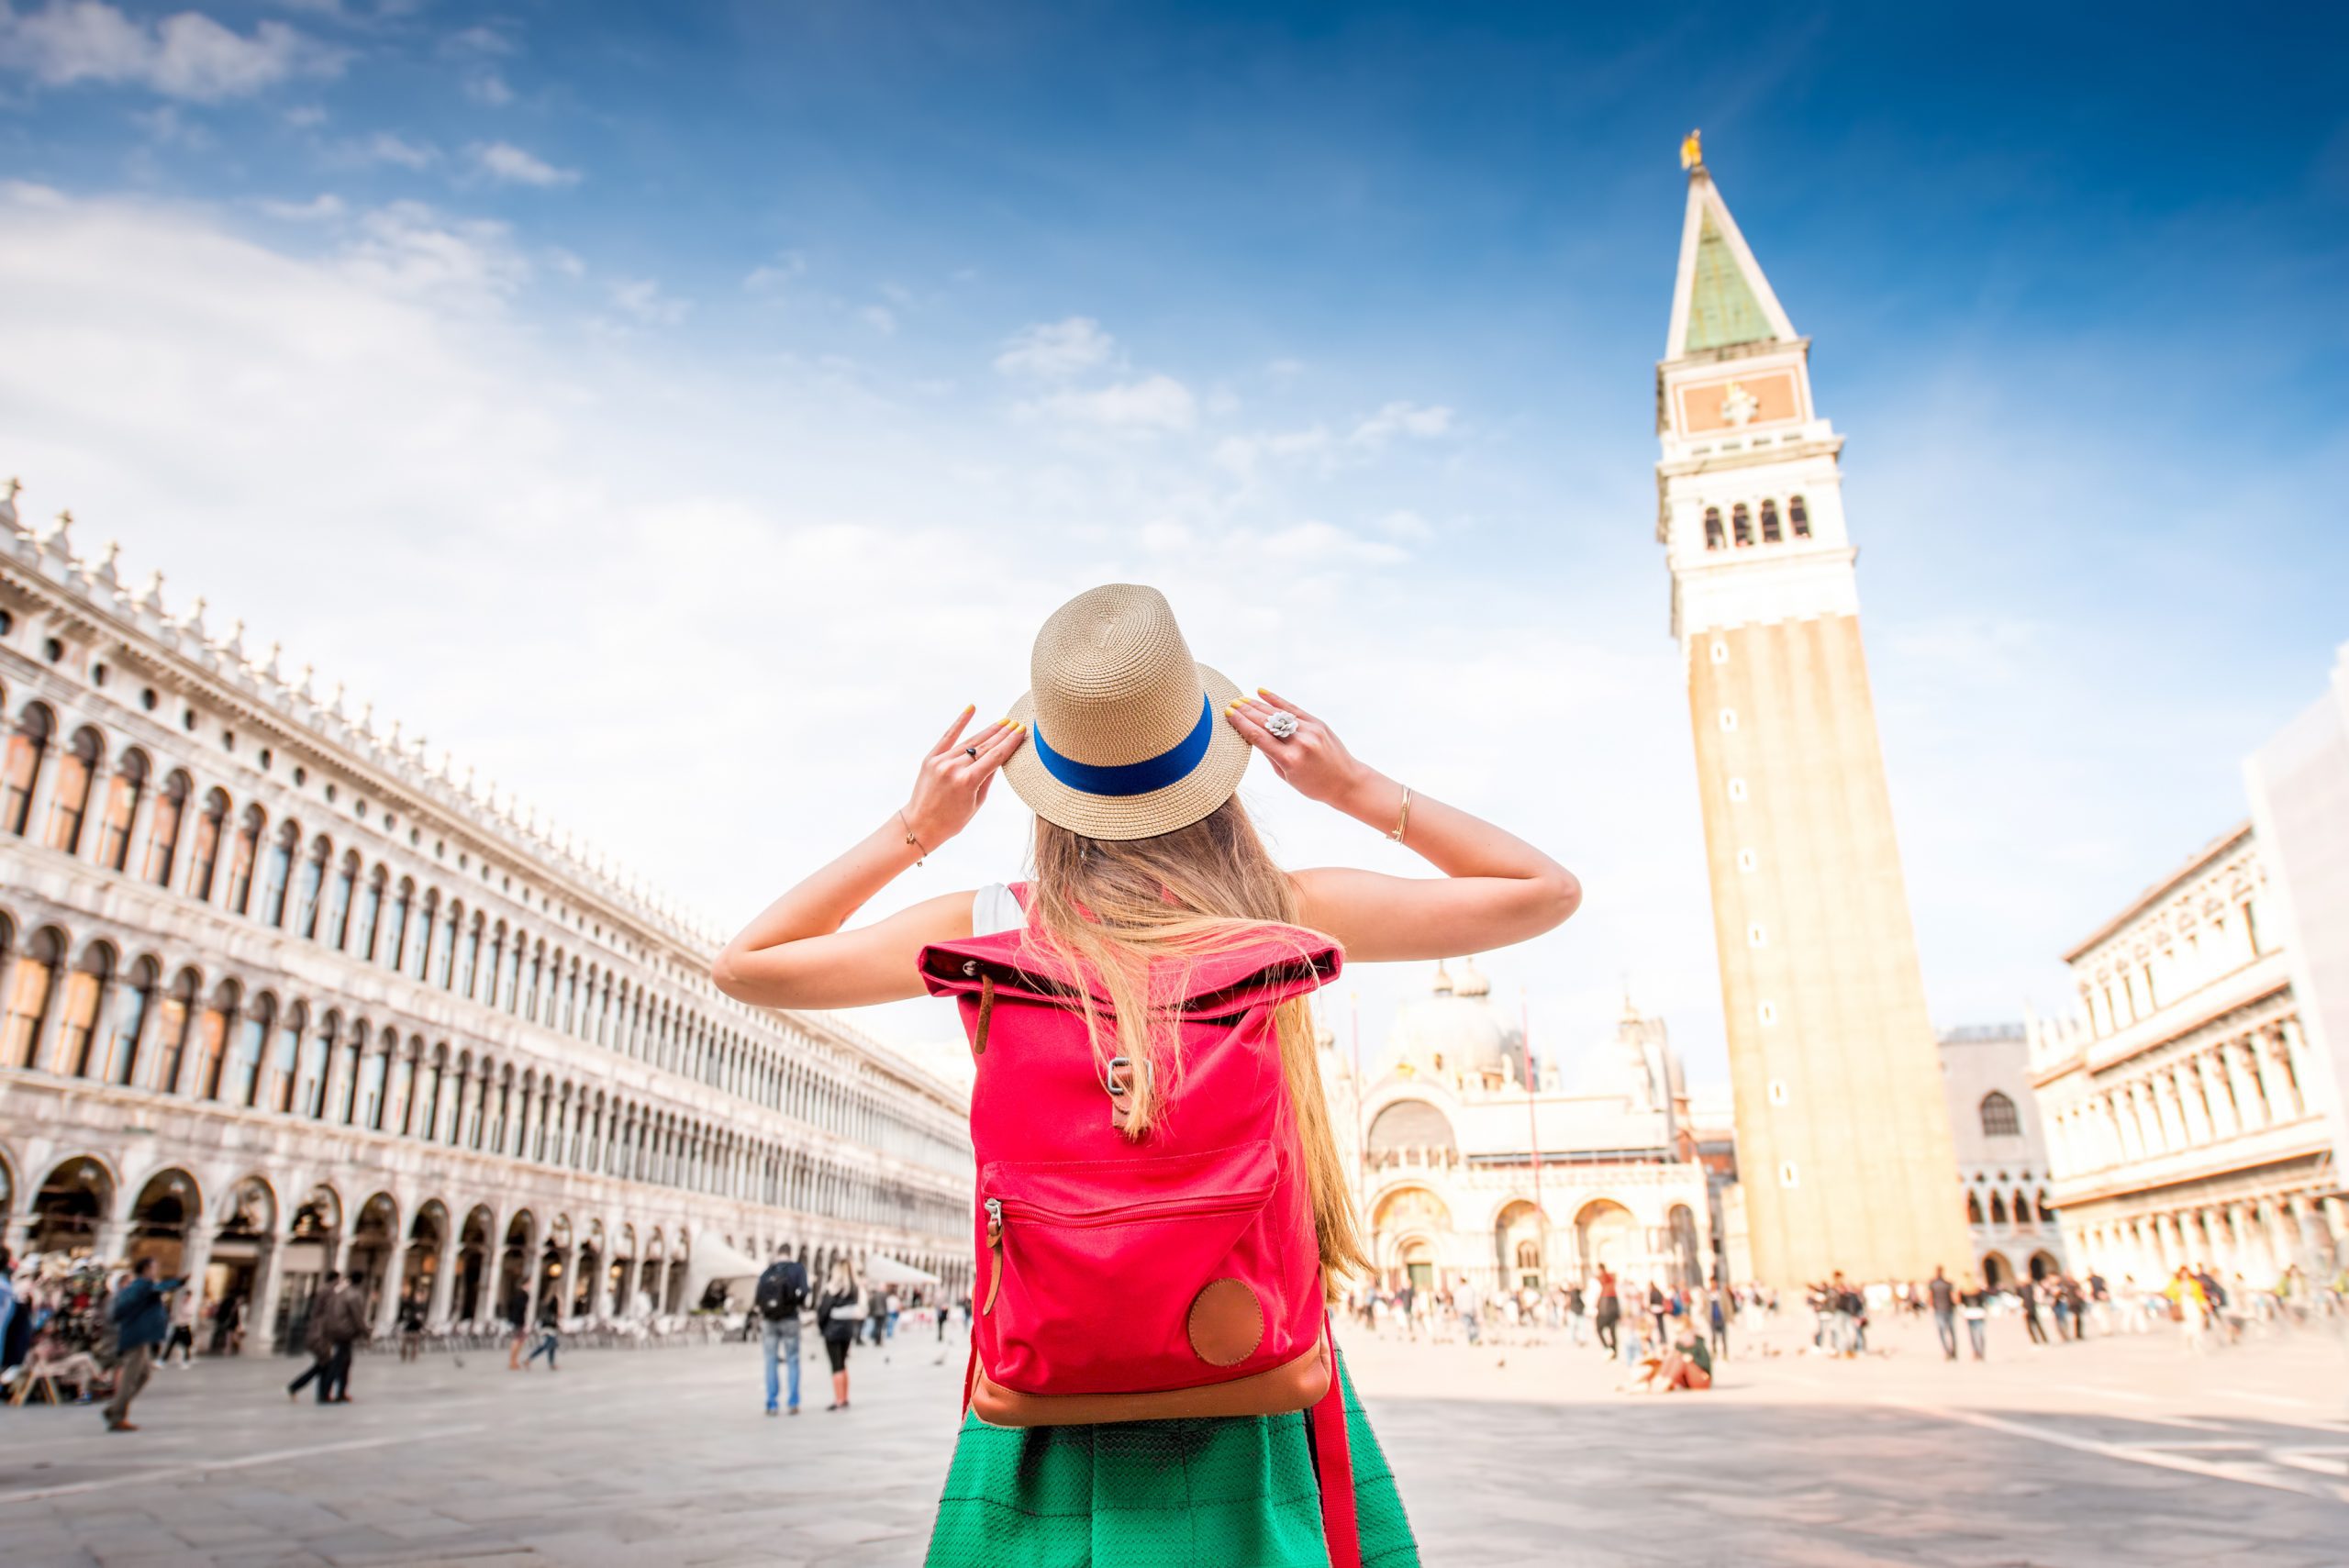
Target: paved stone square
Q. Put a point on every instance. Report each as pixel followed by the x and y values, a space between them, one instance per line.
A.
pixel 2117 1451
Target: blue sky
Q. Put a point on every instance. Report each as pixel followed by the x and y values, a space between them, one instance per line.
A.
pixel 631 393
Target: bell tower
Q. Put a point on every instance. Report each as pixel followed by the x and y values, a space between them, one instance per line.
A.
pixel 1842 1130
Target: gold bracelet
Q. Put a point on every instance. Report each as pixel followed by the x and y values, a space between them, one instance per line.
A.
pixel 1403 823
pixel 921 850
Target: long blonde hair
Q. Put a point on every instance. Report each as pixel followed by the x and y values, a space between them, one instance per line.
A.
pixel 1119 906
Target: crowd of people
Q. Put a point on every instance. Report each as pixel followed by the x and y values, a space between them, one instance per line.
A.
pixel 1653 1326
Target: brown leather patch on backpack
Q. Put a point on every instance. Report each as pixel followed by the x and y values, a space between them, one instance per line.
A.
pixel 1227 1323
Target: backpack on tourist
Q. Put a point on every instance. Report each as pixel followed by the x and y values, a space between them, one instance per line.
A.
pixel 1124 1280
pixel 782 1290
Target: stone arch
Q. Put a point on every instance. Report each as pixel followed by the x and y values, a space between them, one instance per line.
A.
pixel 2044 1266
pixel 1996 1271
pixel 516 1248
pixel 73 1205
pixel 376 1234
pixel 1520 1245
pixel 1605 1235
pixel 1687 1251
pixel 162 1216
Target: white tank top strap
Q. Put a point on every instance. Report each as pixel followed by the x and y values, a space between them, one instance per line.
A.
pixel 994 910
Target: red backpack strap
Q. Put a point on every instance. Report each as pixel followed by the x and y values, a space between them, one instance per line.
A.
pixel 1333 1465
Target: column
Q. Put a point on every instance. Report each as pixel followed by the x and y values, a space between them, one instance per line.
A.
pixel 2211 1066
pixel 339 1251
pixel 134 851
pixel 2296 1048
pixel 533 1266
pixel 2249 1105
pixel 387 1308
pixel 2199 1130
pixel 260 1320
pixel 444 1281
pixel 196 1256
pixel 2284 1071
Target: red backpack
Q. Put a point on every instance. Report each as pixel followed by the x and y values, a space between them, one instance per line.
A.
pixel 1176 1275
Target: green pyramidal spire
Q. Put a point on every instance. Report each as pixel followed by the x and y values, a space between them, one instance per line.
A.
pixel 1722 309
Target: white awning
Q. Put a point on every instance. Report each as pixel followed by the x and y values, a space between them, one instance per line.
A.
pixel 882 1269
pixel 712 1259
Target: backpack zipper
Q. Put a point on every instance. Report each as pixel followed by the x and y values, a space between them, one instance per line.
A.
pixel 1096 1218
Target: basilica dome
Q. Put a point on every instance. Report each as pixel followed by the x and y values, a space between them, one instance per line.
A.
pixel 1453 1033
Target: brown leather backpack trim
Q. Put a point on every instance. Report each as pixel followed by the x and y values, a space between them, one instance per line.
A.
pixel 1294 1385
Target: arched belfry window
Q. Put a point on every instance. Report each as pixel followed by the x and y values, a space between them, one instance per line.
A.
pixel 1740 525
pixel 1999 1117
pixel 1713 540
pixel 1770 534
pixel 1799 516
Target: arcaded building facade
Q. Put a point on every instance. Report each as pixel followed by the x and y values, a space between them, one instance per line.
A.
pixel 2186 1114
pixel 281 996
pixel 2001 1153
pixel 1843 1145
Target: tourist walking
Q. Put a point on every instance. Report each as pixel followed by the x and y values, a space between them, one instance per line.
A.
pixel 1148 872
pixel 1717 1315
pixel 1468 1304
pixel 315 1342
pixel 1944 1297
pixel 840 1313
pixel 1577 1316
pixel 550 1340
pixel 1610 1309
pixel 186 1307
pixel 2027 1292
pixel 141 1313
pixel 346 1324
pixel 1973 1305
pixel 781 1292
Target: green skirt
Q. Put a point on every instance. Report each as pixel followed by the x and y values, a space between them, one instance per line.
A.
pixel 1234 1492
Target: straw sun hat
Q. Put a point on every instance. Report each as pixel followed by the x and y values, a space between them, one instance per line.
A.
pixel 1126 733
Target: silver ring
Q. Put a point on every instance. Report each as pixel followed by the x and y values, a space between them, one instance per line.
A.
pixel 1281 725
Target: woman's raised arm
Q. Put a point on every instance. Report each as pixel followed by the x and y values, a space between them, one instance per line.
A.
pixel 794 954
pixel 1496 888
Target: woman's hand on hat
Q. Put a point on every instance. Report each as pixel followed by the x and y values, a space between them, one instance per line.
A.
pixel 953 781
pixel 1312 760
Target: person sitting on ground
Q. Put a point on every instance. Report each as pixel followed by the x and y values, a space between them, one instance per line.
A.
pixel 50 1358
pixel 1687 1365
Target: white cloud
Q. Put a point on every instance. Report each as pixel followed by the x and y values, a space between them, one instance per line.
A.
pixel 504 161
pixel 774 274
pixel 305 116
pixel 642 298
pixel 187 55
pixel 409 249
pixel 1056 351
pixel 880 318
pixel 1401 419
pixel 321 208
pixel 489 87
pixel 1154 403
pixel 384 147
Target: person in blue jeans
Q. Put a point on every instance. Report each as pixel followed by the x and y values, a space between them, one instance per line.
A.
pixel 782 1291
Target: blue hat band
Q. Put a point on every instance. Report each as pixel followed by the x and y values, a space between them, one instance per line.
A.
pixel 1169 767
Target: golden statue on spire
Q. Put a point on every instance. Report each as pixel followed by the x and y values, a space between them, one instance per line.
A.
pixel 1692 150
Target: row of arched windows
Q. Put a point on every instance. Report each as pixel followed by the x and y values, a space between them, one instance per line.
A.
pixel 1741 531
pixel 285 878
pixel 248 1049
pixel 2022 1211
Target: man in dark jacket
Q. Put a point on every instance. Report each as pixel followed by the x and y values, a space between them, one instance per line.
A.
pixel 314 1341
pixel 345 1311
pixel 141 1316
